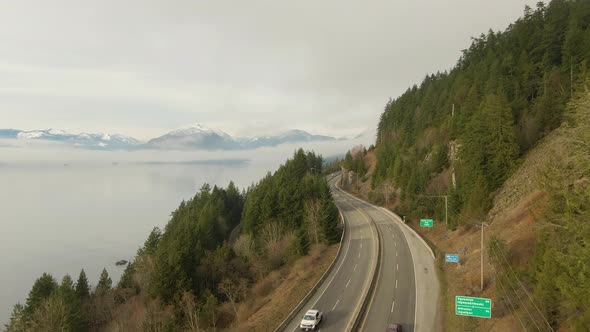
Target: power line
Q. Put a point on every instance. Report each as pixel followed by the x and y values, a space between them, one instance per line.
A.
pixel 465 219
pixel 524 289
pixel 518 297
pixel 522 286
pixel 514 311
pixel 472 222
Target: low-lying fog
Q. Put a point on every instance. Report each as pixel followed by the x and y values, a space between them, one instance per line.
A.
pixel 63 209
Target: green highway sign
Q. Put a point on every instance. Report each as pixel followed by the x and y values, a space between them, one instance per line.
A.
pixel 473 306
pixel 426 222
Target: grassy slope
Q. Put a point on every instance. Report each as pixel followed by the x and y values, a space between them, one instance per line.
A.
pixel 278 293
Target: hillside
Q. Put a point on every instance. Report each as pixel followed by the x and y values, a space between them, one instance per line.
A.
pixel 508 90
pixel 503 135
pixel 523 224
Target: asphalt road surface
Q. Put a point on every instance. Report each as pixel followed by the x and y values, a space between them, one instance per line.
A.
pixel 407 289
pixel 341 292
pixel 394 299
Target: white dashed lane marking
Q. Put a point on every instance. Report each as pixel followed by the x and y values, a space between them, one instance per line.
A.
pixel 334 307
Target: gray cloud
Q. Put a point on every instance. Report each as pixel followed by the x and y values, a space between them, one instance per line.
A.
pixel 248 67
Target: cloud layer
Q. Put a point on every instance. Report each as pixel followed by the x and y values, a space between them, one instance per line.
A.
pixel 254 67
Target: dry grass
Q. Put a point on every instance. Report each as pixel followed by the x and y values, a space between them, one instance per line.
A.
pixel 515 225
pixel 278 293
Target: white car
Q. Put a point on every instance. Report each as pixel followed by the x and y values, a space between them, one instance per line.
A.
pixel 311 320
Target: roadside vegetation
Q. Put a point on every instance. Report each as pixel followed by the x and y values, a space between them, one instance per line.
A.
pixel 220 253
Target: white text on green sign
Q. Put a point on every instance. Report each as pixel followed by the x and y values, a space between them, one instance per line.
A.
pixel 473 306
pixel 426 222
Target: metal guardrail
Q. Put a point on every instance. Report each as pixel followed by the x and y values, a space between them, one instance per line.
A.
pixel 359 321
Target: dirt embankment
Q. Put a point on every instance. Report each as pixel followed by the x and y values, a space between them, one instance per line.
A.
pixel 514 218
pixel 277 294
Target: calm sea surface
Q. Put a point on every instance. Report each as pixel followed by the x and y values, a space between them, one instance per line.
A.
pixel 60 218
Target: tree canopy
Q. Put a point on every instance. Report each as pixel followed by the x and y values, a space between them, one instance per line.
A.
pixel 507 90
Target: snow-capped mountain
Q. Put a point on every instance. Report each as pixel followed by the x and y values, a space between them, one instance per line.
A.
pixel 291 136
pixel 195 137
pixel 204 138
pixel 83 140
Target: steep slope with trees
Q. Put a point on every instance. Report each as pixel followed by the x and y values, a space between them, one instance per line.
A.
pixel 507 91
pixel 464 134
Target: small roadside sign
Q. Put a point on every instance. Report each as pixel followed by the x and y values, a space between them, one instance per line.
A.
pixel 426 222
pixel 473 306
pixel 451 258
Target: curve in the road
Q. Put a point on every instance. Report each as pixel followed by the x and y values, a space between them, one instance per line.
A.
pixel 342 292
pixel 407 291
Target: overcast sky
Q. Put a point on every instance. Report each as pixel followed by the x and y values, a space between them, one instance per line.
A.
pixel 145 67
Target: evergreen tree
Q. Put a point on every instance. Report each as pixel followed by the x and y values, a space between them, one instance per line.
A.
pixel 502 145
pixel 42 289
pixel 151 244
pixel 302 241
pixel 18 321
pixel 67 286
pixel 82 287
pixel 126 280
pixel 104 282
pixel 329 217
pixel 67 292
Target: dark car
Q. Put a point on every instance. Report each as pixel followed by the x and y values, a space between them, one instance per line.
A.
pixel 393 328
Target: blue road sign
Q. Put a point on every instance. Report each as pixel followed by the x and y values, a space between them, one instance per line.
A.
pixel 451 258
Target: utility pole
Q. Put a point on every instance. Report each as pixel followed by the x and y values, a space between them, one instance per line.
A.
pixel 481 251
pixel 386 188
pixel 446 197
pixel 571 76
pixel 482 225
pixel 447 210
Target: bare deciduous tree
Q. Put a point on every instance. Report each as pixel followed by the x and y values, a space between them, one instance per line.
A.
pixel 234 291
pixel 191 313
pixel 52 315
pixel 244 246
pixel 312 218
pixel 271 233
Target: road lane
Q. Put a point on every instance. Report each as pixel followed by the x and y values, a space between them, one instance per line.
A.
pixel 407 290
pixel 395 295
pixel 342 290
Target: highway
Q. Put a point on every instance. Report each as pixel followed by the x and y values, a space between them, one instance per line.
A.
pixel 406 289
pixel 341 292
pixel 394 299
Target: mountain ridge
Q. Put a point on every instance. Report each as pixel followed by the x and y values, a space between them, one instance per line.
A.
pixel 194 137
